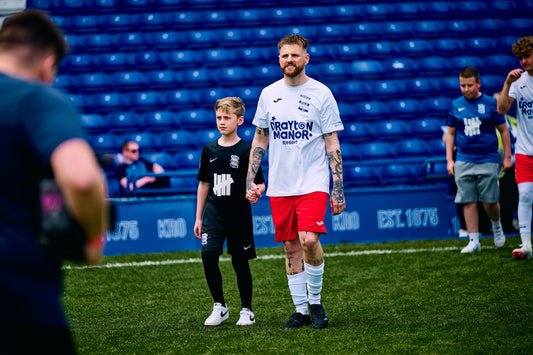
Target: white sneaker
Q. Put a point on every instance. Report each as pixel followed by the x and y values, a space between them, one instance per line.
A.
pixel 471 247
pixel 247 317
pixel 463 233
pixel 219 314
pixel 522 253
pixel 499 237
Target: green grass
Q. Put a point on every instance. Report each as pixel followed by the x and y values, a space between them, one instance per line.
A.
pixel 432 300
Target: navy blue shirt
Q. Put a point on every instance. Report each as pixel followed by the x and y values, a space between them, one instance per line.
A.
pixel 34 120
pixel 476 121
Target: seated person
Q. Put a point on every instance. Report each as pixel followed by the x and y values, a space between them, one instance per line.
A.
pixel 136 166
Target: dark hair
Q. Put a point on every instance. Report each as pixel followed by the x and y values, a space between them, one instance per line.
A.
pixel 523 47
pixel 293 39
pixel 469 72
pixel 33 28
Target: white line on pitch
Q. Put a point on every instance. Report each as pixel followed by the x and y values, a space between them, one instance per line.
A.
pixel 264 257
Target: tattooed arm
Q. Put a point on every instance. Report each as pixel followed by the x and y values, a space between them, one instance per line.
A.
pixel 333 151
pixel 257 152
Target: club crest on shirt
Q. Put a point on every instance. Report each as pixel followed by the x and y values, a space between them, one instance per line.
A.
pixel 234 161
pixel 481 108
pixel 303 103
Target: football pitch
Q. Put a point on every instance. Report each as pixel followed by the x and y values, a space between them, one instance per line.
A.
pixel 419 297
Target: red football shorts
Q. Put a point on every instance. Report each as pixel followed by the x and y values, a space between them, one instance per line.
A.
pixel 304 213
pixel 523 168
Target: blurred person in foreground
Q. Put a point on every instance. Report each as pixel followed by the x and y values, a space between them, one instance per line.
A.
pixel 472 125
pixel 40 137
pixel 518 87
pixel 298 118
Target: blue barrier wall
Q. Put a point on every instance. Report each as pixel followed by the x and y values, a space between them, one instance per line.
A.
pixel 155 225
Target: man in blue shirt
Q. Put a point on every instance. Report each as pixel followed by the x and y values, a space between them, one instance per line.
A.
pixel 40 136
pixel 472 124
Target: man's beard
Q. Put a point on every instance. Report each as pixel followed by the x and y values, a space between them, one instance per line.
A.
pixel 297 70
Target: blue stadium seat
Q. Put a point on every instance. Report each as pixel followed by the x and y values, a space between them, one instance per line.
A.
pixel 196 119
pixel 147 141
pixel 396 30
pixel 163 79
pixel 489 27
pixel 216 18
pixel 180 59
pixel 234 37
pixel 408 11
pixel 49 6
pixel 503 9
pixel 437 9
pixel 414 148
pixel 491 84
pixel 421 87
pixel 479 46
pixel 247 133
pixel 113 61
pixel 133 41
pixel 75 6
pixel 153 21
pixel 164 159
pixel 66 82
pixel 371 110
pixel 429 29
pixel 263 35
pixel 376 150
pixel 387 89
pixel 315 14
pixel 347 112
pixel 396 174
pixel 219 57
pixel 320 53
pixel 105 143
pixel 102 6
pixel 204 136
pixel 188 160
pixel 428 127
pixel 83 24
pixel 401 68
pixel 249 17
pixel 233 76
pixel 500 64
pixel 358 132
pixel 93 123
pixel 458 28
pixel 198 78
pixel 436 66
pixel 149 60
pixel 350 153
pixel 367 69
pixel 406 109
pixel 350 51
pixel 266 74
pixel 177 140
pixel 146 100
pixel 84 103
pixel 414 48
pixel 249 94
pixel 167 40
pixel 138 5
pixel 333 33
pixel 347 13
pixel 447 47
pixel 471 9
pixel 159 120
pixel 448 86
pixel 129 80
pixel 505 43
pixel 282 16
pixel 108 102
pixel 382 49
pixel 119 22
pixel 436 169
pixel 75 44
pixel 171 4
pixel 365 31
pixel 331 71
pixel 181 20
pixel 353 91
pixel 437 106
pixel 101 42
pixel 377 11
pixel 94 82
pixel 201 39
pixel 392 130
pixel 182 99
pixel 458 63
pixel 362 175
pixel 256 55
pixel 208 96
pixel 77 63
pixel 438 147
pixel 125 121
pixel 203 4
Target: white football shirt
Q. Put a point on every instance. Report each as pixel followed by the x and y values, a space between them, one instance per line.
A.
pixel 297 117
pixel 522 91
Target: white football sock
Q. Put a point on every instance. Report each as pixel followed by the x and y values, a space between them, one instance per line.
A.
pixel 314 281
pixel 297 286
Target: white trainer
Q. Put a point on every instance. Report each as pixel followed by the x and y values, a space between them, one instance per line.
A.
pixel 247 317
pixel 522 253
pixel 219 314
pixel 499 237
pixel 463 233
pixel 471 247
